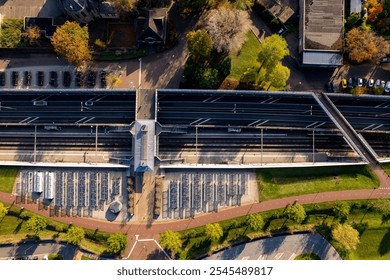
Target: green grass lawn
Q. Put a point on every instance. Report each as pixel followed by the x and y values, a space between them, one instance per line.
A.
pixel 386 167
pixel 7 178
pixel 282 182
pixel 374 232
pixel 13 229
pixel 245 58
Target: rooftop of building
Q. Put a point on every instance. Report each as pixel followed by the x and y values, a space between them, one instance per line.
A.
pixel 324 20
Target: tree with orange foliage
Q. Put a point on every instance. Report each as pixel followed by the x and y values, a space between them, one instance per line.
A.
pixel 362 45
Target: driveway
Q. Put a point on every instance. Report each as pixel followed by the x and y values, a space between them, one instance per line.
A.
pixel 285 247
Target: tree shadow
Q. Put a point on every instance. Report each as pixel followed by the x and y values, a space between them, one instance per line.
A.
pixel 18 227
pixel 384 246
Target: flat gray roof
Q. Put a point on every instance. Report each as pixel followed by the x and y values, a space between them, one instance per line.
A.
pixel 322 58
pixel 323 24
pixel 356 6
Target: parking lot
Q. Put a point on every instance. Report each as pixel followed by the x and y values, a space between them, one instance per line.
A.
pixel 56 77
pixel 71 192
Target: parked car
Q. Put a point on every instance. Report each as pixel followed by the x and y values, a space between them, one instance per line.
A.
pixel 27 78
pixel 103 81
pixel 15 78
pixel 350 83
pixel 387 87
pixel 78 79
pixel 53 79
pixel 383 84
pixel 385 59
pixel 359 82
pixel 354 82
pixel 344 83
pixel 377 83
pixel 91 78
pixel 281 31
pixel 370 83
pixel 2 79
pixel 40 78
pixel 66 79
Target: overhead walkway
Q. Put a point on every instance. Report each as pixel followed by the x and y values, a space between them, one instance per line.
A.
pixel 356 141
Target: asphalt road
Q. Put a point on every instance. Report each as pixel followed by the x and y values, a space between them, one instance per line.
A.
pixel 39 249
pixel 285 247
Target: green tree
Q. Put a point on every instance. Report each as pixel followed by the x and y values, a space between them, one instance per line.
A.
pixel 341 210
pixel 199 44
pixel 382 206
pixel 3 211
pixel 71 41
pixel 124 6
pixel 273 49
pixel 213 232
pixel 11 33
pixel 74 235
pixel 243 4
pixel 194 6
pixel 255 222
pixel 36 224
pixel 346 236
pixel 113 80
pixel 278 76
pixel 32 33
pixel 250 77
pixel 171 241
pixel 352 20
pixel 296 213
pixel 117 243
pixel 207 77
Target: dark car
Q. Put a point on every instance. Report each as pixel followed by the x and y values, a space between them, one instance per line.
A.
pixel 103 81
pixel 91 78
pixel 350 83
pixel 15 78
pixel 27 78
pixel 328 87
pixel 354 82
pixel 78 79
pixel 53 79
pixel 66 79
pixel 2 79
pixel 40 78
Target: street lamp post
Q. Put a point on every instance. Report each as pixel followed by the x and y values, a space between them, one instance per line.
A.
pixel 313 147
pixel 140 72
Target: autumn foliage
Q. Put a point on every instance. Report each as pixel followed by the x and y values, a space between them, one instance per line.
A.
pixel 363 45
pixel 71 41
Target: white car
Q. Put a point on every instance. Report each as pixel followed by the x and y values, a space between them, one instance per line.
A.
pixel 377 83
pixel 383 84
pixel 360 82
pixel 370 83
pixel 387 87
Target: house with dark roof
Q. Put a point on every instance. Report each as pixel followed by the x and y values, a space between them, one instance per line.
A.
pixel 84 11
pixel 321 33
pixel 151 26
